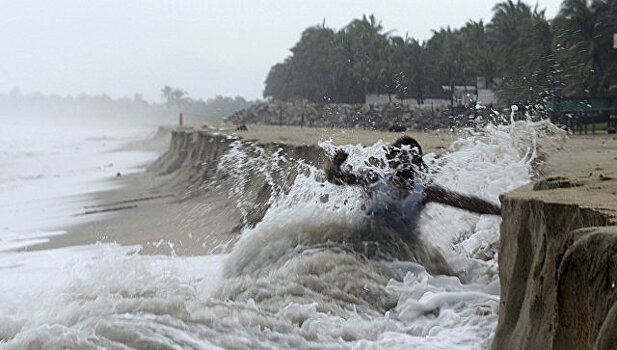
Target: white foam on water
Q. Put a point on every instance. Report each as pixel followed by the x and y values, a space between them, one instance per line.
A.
pixel 50 170
pixel 57 296
pixel 431 311
pixel 296 280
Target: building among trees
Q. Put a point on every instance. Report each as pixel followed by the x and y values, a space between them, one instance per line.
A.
pixel 524 58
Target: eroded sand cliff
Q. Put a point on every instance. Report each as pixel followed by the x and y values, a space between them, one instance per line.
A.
pixel 558 252
pixel 558 247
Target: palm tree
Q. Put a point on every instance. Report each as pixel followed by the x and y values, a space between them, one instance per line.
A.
pixel 583 33
pixel 607 27
pixel 479 55
pixel 446 50
pixel 345 87
pixel 175 97
pixel 369 47
pixel 419 74
pixel 166 92
pixel 521 39
pixel 507 33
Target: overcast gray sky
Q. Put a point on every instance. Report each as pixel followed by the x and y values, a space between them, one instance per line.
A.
pixel 121 47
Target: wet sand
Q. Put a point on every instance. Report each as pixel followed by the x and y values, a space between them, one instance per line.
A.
pixel 587 167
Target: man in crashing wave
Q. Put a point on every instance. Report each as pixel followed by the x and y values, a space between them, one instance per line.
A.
pixel 399 195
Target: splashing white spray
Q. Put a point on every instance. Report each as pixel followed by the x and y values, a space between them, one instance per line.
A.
pixel 300 278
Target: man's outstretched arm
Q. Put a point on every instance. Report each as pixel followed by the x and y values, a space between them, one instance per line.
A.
pixel 434 193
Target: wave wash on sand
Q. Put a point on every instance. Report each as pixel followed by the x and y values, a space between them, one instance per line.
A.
pixel 306 275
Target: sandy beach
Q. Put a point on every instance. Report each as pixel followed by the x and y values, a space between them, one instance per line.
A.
pixel 182 238
pixel 146 209
pixel 238 176
pixel 587 167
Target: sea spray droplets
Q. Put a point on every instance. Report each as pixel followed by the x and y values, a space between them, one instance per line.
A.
pixel 247 164
pixel 499 159
pixel 294 281
pixel 430 311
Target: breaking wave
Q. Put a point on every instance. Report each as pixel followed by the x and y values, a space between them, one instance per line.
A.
pixel 304 272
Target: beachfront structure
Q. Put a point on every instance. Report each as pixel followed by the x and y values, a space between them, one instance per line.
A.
pixel 583 113
pixel 486 97
pixel 376 99
pixel 462 95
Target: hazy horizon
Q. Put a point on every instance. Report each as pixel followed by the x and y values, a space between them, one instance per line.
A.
pixel 206 48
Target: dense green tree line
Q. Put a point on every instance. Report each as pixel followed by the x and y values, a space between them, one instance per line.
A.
pixel 522 54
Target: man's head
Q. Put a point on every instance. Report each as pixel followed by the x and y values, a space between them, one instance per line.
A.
pixel 405 151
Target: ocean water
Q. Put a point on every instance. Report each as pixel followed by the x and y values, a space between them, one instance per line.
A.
pixel 308 276
pixel 50 169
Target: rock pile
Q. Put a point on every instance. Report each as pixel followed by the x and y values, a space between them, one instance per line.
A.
pixel 393 116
